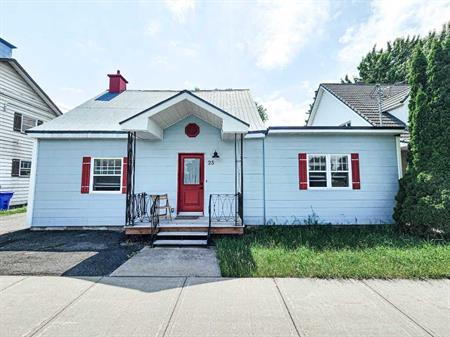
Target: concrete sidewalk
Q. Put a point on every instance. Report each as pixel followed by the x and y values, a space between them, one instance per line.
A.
pixel 180 306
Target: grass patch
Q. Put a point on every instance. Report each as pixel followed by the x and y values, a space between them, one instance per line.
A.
pixel 331 252
pixel 16 210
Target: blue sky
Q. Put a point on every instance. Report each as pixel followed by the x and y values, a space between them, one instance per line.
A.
pixel 281 50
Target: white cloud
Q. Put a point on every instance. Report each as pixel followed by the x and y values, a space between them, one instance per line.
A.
pixel 63 107
pixel 185 49
pixel 283 112
pixel 90 46
pixel 388 20
pixel 72 90
pixel 180 8
pixel 282 29
pixel 153 28
pixel 159 60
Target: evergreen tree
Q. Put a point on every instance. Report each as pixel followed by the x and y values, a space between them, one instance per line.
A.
pixel 388 65
pixel 423 201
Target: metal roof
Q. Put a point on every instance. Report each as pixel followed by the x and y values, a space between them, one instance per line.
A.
pixel 105 111
pixel 361 99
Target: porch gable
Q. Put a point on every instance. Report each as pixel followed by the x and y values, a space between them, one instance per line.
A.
pixel 150 123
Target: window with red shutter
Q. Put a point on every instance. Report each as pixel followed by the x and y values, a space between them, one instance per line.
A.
pixel 302 171
pixel 85 175
pixel 356 182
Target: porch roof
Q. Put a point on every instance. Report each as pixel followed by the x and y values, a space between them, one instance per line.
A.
pixel 151 122
pixel 104 112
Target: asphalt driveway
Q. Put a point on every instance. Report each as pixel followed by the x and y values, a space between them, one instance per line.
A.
pixel 68 253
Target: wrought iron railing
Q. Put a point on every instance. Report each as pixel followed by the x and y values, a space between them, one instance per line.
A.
pixel 223 208
pixel 154 216
pixel 144 208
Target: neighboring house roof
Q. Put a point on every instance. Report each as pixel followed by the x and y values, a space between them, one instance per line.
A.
pixel 405 137
pixel 105 111
pixel 361 99
pixel 37 89
pixel 6 43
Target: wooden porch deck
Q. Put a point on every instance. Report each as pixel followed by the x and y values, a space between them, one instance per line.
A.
pixel 186 225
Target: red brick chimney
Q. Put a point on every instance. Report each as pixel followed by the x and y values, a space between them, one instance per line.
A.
pixel 117 83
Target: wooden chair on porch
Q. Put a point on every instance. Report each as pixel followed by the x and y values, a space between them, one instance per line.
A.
pixel 163 209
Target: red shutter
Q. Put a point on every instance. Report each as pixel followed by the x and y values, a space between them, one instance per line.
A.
pixel 85 175
pixel 356 182
pixel 124 174
pixel 302 173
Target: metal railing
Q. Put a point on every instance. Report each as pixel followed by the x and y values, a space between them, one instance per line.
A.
pixel 144 208
pixel 223 208
pixel 154 216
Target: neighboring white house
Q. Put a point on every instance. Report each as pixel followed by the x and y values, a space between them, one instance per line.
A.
pixel 209 151
pixel 342 104
pixel 23 105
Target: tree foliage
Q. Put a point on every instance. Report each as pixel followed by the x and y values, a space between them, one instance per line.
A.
pixel 262 112
pixel 388 65
pixel 423 201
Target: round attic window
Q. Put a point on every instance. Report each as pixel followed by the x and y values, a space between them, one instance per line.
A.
pixel 192 130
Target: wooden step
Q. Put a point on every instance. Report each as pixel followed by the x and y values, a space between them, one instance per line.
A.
pixel 146 230
pixel 180 243
pixel 189 233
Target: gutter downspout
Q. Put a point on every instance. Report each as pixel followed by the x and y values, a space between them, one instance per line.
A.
pixel 32 184
pixel 398 151
pixel 264 178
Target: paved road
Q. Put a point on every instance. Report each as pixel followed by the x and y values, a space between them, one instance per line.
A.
pixel 68 253
pixel 11 223
pixel 188 306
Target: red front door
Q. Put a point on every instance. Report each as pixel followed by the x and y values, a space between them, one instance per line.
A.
pixel 190 182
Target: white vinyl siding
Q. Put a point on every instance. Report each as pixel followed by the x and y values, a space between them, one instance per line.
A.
pixel 16 96
pixel 287 204
pixel 58 201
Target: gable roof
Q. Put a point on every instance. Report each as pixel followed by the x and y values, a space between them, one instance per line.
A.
pixel 105 111
pixel 187 92
pixel 360 98
pixel 29 80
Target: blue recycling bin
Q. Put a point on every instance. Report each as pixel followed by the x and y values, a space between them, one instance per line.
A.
pixel 5 198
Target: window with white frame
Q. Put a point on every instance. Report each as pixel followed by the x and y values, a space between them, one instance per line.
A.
pixel 328 171
pixel 25 168
pixel 23 122
pixel 339 170
pixel 106 174
pixel 317 165
pixel 20 168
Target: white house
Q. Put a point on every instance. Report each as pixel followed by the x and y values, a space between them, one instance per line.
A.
pixel 342 104
pixel 23 105
pixel 104 162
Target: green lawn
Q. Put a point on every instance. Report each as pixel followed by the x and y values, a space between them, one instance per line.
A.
pixel 330 252
pixel 13 211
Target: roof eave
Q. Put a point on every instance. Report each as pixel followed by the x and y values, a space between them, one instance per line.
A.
pixel 41 93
